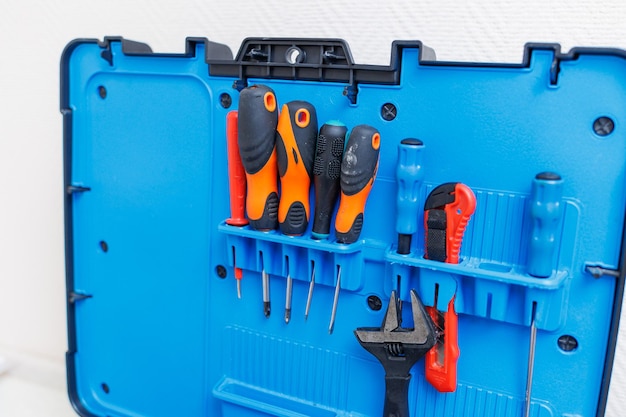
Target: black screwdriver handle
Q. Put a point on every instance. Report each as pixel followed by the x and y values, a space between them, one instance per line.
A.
pixel 326 173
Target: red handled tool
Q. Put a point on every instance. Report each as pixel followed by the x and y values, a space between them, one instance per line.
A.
pixel 237 185
pixel 236 174
pixel 447 210
pixel 441 360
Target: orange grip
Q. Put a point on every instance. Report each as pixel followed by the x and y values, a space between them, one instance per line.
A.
pixel 262 190
pixel 236 174
pixel 358 171
pixel 350 207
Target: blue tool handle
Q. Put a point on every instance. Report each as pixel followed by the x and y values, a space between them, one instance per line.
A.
pixel 409 175
pixel 546 213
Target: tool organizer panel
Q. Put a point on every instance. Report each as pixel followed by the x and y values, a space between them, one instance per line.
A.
pixel 471 263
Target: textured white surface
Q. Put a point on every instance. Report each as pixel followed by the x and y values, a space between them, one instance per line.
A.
pixel 33 34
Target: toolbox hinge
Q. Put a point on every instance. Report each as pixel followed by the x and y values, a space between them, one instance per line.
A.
pixel 74 296
pixel 71 189
pixel 599 271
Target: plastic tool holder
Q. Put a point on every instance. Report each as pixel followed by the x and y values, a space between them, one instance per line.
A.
pixel 155 324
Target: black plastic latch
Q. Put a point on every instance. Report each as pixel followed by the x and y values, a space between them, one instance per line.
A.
pixel 327 60
pixel 71 189
pixel 76 296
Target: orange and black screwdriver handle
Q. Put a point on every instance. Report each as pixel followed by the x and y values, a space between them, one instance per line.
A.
pixel 295 152
pixel 258 118
pixel 447 210
pixel 358 171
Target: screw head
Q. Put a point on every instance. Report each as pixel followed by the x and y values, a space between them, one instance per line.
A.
pixel 221 272
pixel 603 126
pixel 388 111
pixel 567 343
pixel 226 100
pixel 374 302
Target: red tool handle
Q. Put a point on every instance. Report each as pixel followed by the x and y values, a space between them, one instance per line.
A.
pixel 458 214
pixel 236 174
pixel 448 208
pixel 441 360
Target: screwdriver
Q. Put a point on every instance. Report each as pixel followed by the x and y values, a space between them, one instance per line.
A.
pixel 326 172
pixel 237 185
pixel 358 171
pixel 258 118
pixel 409 175
pixel 295 149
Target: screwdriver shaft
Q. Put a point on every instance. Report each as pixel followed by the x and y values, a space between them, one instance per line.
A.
pixel 238 276
pixel 335 300
pixel 288 299
pixel 531 361
pixel 310 296
pixel 266 293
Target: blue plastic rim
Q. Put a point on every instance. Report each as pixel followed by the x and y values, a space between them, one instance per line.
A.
pixel 155 326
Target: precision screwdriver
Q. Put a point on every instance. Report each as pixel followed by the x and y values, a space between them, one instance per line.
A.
pixel 358 171
pixel 326 172
pixel 295 148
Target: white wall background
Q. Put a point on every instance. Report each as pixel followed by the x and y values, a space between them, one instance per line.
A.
pixel 33 34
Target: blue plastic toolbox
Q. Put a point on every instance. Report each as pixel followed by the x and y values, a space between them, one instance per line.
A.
pixel 522 165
